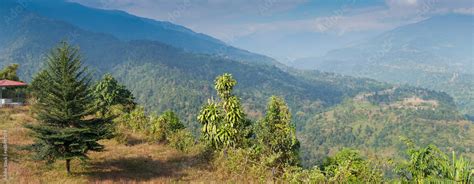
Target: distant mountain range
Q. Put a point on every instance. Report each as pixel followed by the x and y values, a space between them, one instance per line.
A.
pixel 162 76
pixel 129 27
pixel 437 53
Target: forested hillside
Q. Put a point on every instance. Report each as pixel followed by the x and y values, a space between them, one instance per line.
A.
pixel 375 122
pixel 163 77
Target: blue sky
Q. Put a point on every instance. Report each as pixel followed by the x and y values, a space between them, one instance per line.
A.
pixel 288 29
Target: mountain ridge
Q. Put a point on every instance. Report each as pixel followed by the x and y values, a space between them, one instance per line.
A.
pixel 436 53
pixel 130 27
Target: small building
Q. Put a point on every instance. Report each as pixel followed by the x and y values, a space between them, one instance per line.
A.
pixel 8 99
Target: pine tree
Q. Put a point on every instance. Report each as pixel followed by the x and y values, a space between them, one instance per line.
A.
pixel 276 135
pixel 64 109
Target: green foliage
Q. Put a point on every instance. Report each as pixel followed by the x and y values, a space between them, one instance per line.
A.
pixel 431 164
pixel 224 123
pixel 376 128
pixel 348 166
pixel 423 162
pixel 182 140
pixel 10 73
pixel 242 161
pixel 170 122
pixel 127 123
pixel 64 109
pixel 460 170
pixel 296 174
pixel 162 127
pixel 108 92
pixel 276 135
pixel 137 119
pixel 445 110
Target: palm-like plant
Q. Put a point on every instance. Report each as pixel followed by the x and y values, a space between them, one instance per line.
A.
pixel 423 163
pixel 223 121
pixel 459 170
pixel 429 164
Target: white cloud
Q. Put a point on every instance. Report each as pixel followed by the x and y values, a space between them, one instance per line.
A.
pixel 468 11
pixel 401 3
pixel 231 19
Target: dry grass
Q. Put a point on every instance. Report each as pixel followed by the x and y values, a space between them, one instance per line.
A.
pixel 136 162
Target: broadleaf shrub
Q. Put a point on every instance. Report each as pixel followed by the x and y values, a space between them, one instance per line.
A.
pixel 182 140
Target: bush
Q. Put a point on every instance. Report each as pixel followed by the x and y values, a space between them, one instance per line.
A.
pixel 242 163
pixel 155 128
pixel 162 127
pixel 124 123
pixel 348 166
pixel 137 120
pixel 182 140
pixel 295 174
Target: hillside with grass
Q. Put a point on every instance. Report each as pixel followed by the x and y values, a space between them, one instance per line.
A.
pixel 136 160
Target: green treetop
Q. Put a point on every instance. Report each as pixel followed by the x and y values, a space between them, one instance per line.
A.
pixel 109 92
pixel 10 73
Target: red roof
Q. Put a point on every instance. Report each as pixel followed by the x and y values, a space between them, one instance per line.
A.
pixel 9 83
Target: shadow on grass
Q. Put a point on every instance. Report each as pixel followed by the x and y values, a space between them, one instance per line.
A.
pixel 132 141
pixel 140 169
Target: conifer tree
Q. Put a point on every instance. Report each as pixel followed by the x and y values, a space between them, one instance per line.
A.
pixel 66 128
pixel 277 135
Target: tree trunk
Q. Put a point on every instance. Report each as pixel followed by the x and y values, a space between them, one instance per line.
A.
pixel 68 166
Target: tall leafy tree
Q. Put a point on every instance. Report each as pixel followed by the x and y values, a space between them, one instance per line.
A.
pixel 64 109
pixel 109 92
pixel 277 135
pixel 223 120
pixel 10 73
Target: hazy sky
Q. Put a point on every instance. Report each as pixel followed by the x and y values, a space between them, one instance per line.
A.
pixel 288 28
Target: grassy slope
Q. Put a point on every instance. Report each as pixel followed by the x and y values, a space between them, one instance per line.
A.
pixel 136 162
